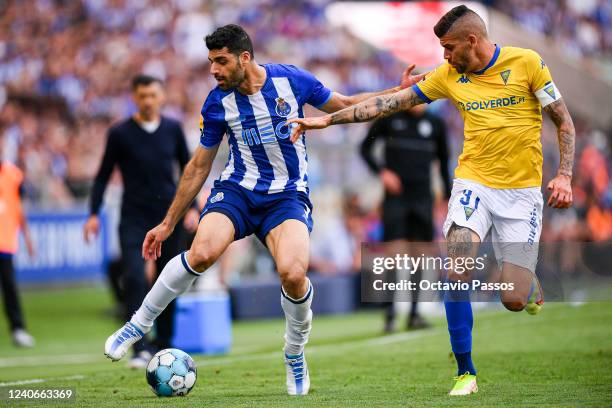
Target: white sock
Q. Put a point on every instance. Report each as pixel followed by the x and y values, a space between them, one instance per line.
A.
pixel 176 277
pixel 298 318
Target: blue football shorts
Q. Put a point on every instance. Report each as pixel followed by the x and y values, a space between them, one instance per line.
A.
pixel 257 213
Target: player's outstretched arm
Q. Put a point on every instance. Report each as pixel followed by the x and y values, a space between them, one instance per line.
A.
pixel 372 108
pixel 339 101
pixel 194 176
pixel 560 186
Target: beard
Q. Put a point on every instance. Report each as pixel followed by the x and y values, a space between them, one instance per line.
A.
pixel 234 79
pixel 461 66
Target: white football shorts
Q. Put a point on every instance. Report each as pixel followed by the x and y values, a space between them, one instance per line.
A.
pixel 512 216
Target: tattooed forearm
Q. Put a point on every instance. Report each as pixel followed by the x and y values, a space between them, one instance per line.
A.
pixel 376 107
pixel 566 134
pixel 355 99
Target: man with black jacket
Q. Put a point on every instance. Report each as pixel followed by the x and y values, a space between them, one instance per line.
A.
pixel 412 140
pixel 149 149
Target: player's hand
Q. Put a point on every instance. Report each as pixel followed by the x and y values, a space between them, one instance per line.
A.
pixel 391 182
pixel 407 80
pixel 190 222
pixel 300 125
pixel 91 228
pixel 30 246
pixel 561 188
pixel 151 247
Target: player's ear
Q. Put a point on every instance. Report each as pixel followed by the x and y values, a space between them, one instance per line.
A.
pixel 245 57
pixel 472 40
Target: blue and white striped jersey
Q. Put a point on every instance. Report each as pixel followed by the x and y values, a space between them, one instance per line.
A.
pixel 261 157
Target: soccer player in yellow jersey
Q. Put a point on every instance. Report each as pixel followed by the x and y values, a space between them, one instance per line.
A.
pixel 500 93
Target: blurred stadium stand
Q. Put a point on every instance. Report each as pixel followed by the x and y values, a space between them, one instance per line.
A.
pixel 65 68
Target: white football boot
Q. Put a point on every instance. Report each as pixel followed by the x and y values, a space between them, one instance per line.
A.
pixel 118 343
pixel 298 377
pixel 22 338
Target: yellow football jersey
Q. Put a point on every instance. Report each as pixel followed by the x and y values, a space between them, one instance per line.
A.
pixel 500 106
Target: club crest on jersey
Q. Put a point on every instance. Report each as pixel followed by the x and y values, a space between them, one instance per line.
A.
pixel 505 74
pixel 217 197
pixel 468 212
pixel 282 107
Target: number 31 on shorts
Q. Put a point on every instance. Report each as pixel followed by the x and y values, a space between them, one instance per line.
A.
pixel 467 196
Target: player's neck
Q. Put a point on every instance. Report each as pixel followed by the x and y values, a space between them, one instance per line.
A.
pixel 140 118
pixel 254 79
pixel 484 55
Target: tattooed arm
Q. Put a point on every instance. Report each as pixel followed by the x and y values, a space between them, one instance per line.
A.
pixel 372 108
pixel 339 101
pixel 560 186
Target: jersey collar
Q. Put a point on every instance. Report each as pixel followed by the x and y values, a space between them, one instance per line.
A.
pixel 490 64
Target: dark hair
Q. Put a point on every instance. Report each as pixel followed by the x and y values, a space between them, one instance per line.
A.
pixel 231 36
pixel 447 20
pixel 144 80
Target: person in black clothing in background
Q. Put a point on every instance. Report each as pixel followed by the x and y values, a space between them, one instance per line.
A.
pixel 149 149
pixel 412 141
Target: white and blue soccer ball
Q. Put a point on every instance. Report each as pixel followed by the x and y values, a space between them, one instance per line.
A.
pixel 171 373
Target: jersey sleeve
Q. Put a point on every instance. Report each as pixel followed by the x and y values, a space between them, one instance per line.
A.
pixel 312 91
pixel 433 86
pixel 540 80
pixel 110 158
pixel 376 131
pixel 212 123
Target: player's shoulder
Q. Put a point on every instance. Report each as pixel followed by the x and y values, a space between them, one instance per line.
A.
pixel 299 78
pixel 121 126
pixel 212 108
pixel 286 70
pixel 171 122
pixel 441 71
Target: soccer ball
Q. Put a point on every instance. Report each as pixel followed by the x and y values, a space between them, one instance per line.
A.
pixel 171 373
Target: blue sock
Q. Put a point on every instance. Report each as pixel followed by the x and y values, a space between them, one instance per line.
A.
pixel 460 322
pixel 464 363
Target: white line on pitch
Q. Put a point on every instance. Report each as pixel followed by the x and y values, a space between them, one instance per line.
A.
pixel 49 360
pixel 72 359
pixel 40 380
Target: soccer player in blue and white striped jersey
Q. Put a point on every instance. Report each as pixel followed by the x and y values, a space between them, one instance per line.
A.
pixel 263 189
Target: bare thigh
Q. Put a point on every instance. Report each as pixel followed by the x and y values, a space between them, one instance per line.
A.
pixel 289 244
pixel 461 242
pixel 215 233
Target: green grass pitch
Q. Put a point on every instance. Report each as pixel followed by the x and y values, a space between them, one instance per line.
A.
pixel 562 357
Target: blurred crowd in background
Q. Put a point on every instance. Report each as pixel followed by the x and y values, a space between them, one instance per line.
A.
pixel 65 68
pixel 579 27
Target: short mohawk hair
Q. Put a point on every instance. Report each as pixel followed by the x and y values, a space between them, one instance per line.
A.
pixel 447 20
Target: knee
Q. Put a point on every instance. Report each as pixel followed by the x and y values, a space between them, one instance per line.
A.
pixel 513 303
pixel 200 259
pixel 293 277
